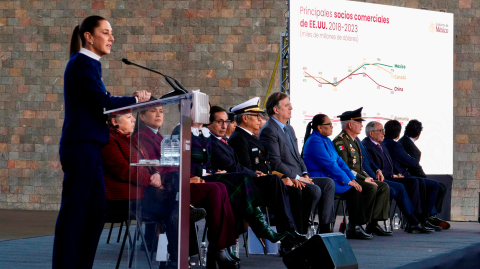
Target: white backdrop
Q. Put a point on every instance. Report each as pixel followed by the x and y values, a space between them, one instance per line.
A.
pixel 396 63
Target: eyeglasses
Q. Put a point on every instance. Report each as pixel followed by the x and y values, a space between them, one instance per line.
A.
pixel 254 115
pixel 222 122
pixel 381 131
pixel 331 124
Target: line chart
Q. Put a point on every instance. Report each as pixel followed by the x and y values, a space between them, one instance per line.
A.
pixel 365 74
pixel 353 73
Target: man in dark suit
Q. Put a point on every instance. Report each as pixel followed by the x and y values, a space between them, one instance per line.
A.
pixel 412 133
pixel 279 139
pixel 272 190
pixel 410 205
pixel 404 163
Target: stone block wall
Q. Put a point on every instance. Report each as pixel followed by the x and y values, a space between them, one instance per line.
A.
pixel 226 48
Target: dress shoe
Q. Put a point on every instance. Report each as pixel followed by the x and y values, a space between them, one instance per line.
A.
pixel 378 230
pixel 297 238
pixel 285 247
pixel 429 225
pixel 261 228
pixel 221 258
pixel 357 232
pixel 439 222
pixel 419 228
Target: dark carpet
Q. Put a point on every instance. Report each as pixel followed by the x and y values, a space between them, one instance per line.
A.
pixel 381 252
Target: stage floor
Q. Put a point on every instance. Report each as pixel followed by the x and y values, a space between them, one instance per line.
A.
pixel 381 252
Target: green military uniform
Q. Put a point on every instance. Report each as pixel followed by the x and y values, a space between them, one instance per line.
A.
pixel 376 199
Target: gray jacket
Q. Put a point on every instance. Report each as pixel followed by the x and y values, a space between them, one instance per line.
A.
pixel 283 158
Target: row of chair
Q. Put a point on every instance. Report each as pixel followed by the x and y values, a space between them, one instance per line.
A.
pixel 124 218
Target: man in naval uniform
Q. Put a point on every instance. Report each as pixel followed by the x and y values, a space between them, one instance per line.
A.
pixel 376 194
pixel 254 155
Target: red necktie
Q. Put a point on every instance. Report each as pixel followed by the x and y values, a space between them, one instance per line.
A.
pixel 223 140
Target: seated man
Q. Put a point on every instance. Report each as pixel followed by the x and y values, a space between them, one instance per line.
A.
pixel 376 194
pixel 404 163
pixel 280 141
pixel 378 154
pixel 272 190
pixel 412 133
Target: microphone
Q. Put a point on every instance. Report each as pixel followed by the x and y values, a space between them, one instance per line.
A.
pixel 178 88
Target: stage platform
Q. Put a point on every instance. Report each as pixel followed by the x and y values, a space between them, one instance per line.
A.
pixel 401 250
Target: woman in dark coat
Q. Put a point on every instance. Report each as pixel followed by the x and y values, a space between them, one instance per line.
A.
pixel 84 133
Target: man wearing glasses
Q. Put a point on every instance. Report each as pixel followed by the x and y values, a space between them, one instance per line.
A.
pixel 376 194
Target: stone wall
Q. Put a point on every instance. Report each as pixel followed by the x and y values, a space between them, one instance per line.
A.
pixel 226 48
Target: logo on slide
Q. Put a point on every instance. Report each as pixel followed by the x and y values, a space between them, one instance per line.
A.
pixel 438 27
pixel 432 27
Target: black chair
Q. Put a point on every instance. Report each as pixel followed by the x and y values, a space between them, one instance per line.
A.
pixel 116 217
pixel 142 218
pixel 340 198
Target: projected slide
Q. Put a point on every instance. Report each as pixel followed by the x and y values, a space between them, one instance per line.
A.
pixel 396 63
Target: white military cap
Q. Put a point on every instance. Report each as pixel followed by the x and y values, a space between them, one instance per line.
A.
pixel 251 105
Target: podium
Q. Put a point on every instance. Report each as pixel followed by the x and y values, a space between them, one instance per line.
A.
pixel 159 213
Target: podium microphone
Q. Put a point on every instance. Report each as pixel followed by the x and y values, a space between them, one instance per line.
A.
pixel 178 88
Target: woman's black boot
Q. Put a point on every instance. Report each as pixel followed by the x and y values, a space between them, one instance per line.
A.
pixel 261 228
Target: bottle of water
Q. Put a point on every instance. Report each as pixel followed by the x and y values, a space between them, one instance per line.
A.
pixel 203 254
pixel 175 147
pixel 237 250
pixel 165 157
pixel 396 221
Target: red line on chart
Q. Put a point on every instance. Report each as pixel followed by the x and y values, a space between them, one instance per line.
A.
pixel 346 78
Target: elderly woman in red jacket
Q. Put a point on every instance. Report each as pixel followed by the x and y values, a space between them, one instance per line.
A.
pixel 123 184
pixel 142 184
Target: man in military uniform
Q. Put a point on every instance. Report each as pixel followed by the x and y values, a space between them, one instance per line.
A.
pixel 254 155
pixel 376 194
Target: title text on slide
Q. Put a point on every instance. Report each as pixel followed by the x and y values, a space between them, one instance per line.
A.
pixel 333 26
pixel 343 15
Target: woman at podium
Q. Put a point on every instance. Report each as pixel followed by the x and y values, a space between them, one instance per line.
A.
pixel 84 133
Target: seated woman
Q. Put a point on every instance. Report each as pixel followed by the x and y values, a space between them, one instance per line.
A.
pixel 121 184
pixel 124 185
pixel 322 160
pixel 211 196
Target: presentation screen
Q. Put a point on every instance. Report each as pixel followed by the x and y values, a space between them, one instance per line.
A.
pixel 396 63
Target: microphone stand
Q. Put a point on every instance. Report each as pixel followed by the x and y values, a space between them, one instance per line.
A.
pixel 178 88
